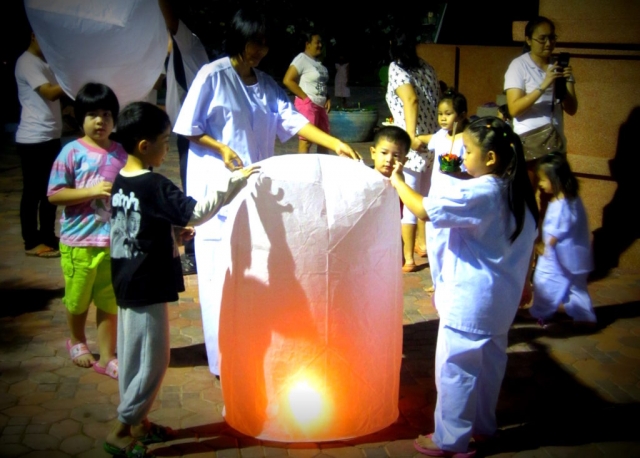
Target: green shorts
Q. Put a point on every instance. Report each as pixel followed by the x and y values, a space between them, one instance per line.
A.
pixel 87 278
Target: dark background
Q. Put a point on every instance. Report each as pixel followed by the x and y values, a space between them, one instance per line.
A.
pixel 358 30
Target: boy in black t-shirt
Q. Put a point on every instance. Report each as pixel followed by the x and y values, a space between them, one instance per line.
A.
pixel 146 269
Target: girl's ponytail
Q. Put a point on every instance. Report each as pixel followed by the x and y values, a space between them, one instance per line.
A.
pixel 495 135
pixel 521 194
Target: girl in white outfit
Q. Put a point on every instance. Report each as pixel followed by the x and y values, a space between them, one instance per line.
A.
pixel 491 219
pixel 452 108
pixel 564 260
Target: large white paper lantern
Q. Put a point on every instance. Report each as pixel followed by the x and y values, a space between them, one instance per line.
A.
pixel 311 287
pixel 120 43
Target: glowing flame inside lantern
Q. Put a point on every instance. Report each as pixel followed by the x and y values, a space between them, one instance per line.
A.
pixel 305 403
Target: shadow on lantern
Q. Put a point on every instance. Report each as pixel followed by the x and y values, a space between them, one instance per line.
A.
pixel 293 367
pixel 277 328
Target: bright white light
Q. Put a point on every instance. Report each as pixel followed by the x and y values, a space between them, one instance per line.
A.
pixel 305 403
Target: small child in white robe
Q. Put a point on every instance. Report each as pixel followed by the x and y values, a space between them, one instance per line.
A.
pixel 452 109
pixel 565 260
pixel 491 219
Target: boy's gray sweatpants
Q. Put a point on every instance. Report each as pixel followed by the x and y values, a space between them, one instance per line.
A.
pixel 143 358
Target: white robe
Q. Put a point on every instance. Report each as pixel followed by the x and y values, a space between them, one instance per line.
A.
pixel 482 278
pixel 561 272
pixel 247 119
pixel 440 182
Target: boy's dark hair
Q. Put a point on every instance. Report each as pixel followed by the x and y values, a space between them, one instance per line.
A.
pixel 95 96
pixel 393 134
pixel 557 169
pixel 493 134
pixel 140 121
pixel 246 26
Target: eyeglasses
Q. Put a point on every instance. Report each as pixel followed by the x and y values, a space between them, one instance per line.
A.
pixel 544 38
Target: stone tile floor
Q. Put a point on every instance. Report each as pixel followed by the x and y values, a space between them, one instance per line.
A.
pixel 567 392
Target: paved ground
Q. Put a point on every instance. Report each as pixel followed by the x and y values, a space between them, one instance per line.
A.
pixel 567 392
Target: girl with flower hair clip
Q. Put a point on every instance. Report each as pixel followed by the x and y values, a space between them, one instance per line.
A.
pixel 491 219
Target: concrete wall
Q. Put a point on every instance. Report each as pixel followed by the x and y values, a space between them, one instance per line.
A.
pixel 604 45
pixel 480 69
pixel 594 21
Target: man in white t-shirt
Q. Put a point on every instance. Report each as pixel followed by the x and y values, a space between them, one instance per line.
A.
pixel 187 56
pixel 38 144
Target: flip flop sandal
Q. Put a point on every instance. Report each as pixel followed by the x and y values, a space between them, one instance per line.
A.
pixel 420 252
pixel 409 268
pixel 111 370
pixel 157 434
pixel 43 251
pixel 134 450
pixel 77 350
pixel 440 452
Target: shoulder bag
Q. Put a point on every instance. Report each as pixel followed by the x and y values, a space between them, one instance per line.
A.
pixel 542 140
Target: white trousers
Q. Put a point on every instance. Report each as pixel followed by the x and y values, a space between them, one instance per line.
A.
pixel 143 358
pixel 420 182
pixel 469 371
pixel 210 298
pixel 552 289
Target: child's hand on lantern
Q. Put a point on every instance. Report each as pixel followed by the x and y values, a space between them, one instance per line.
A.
pixel 397 176
pixel 245 172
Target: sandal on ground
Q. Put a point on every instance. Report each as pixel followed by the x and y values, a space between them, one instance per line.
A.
pixel 420 252
pixel 157 434
pixel 134 450
pixel 111 370
pixel 433 450
pixel 78 350
pixel 409 268
pixel 43 251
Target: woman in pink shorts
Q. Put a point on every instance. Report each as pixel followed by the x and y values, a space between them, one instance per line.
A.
pixel 307 78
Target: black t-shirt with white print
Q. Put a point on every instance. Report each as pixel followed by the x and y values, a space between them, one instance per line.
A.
pixel 145 263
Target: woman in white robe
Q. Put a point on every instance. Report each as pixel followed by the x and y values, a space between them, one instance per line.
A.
pixel 231 116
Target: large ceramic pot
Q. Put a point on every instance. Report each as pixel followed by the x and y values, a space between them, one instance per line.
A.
pixel 353 124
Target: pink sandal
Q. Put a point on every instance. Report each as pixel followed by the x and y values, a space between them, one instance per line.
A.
pixel 78 350
pixel 111 370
